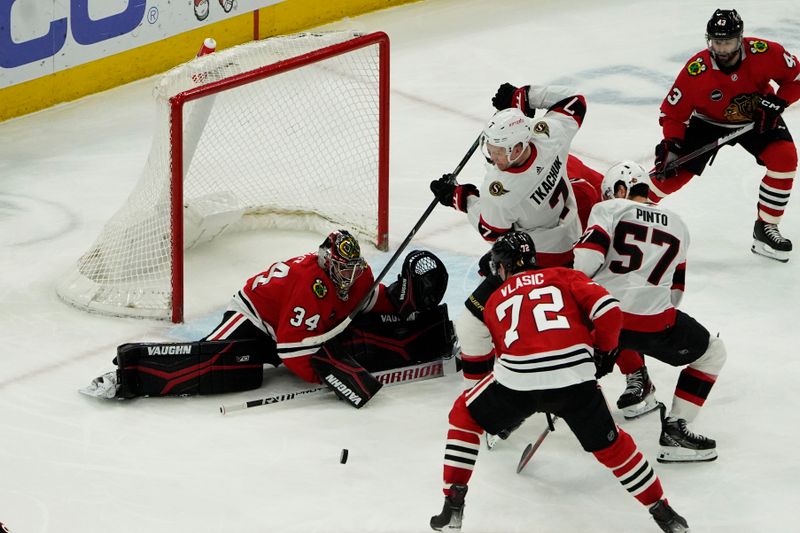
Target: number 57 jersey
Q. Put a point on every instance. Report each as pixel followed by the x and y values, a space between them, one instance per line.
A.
pixel 636 251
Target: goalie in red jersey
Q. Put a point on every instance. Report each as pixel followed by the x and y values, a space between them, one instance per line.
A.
pixel 723 88
pixel 270 319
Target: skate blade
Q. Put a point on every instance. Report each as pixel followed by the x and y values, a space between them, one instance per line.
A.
pixel 759 248
pixel 642 408
pixel 674 454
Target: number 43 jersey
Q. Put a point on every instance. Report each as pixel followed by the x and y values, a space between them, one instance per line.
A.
pixel 636 251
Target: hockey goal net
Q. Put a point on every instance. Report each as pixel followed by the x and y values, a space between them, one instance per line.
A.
pixel 288 132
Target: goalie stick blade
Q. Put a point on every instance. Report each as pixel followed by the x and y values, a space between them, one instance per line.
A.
pixel 395 376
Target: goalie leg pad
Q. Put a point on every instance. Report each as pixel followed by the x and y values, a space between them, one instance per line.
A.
pixel 203 367
pixel 344 376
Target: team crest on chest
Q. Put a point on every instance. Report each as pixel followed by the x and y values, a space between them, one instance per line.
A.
pixel 696 67
pixel 740 109
pixel 319 288
pixel 496 189
pixel 541 128
pixel 758 47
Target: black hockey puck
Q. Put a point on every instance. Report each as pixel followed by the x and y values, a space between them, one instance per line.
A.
pixel 343 456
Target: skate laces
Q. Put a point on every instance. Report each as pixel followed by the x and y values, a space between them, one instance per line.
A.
pixel 772 231
pixel 688 433
pixel 635 381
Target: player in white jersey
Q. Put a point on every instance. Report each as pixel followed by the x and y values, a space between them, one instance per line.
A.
pixel 526 187
pixel 637 251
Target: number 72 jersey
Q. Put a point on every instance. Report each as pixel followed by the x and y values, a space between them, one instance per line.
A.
pixel 638 253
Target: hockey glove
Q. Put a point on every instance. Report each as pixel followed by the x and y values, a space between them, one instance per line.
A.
pixel 604 361
pixel 667 151
pixel 451 194
pixel 508 95
pixel 767 109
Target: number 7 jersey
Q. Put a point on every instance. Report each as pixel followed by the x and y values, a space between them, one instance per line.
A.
pixel 636 251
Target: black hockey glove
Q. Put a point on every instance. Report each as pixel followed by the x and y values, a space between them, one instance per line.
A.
pixel 451 194
pixel 604 361
pixel 484 265
pixel 767 109
pixel 508 95
pixel 667 151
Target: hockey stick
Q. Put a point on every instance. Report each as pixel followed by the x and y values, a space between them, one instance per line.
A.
pixel 328 335
pixel 394 376
pixel 706 148
pixel 530 449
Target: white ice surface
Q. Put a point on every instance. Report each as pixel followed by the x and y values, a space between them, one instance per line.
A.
pixel 68 463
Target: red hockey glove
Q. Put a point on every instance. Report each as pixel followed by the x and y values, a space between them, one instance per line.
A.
pixel 767 109
pixel 667 151
pixel 451 194
pixel 508 95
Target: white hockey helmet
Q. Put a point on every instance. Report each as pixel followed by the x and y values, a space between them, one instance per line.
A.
pixel 506 129
pixel 626 173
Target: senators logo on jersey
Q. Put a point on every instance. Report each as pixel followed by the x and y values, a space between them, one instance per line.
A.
pixel 496 189
pixel 740 109
pixel 696 67
pixel 541 128
pixel 319 289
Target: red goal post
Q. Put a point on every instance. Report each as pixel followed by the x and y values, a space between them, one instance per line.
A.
pixel 290 132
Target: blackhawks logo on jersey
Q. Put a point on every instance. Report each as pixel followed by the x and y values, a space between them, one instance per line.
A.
pixel 541 128
pixel 696 67
pixel 758 47
pixel 496 189
pixel 319 288
pixel 740 109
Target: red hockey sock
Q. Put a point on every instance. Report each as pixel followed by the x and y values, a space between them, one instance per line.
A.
pixel 463 444
pixel 631 469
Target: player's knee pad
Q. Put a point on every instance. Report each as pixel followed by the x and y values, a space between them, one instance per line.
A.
pixel 421 284
pixel 382 341
pixel 713 359
pixel 180 369
pixel 344 376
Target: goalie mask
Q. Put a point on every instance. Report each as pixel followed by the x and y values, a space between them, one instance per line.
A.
pixel 420 285
pixel 340 257
pixel 619 179
pixel 515 251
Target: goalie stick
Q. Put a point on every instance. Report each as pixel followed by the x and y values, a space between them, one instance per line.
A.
pixel 707 147
pixel 530 449
pixel 319 339
pixel 394 376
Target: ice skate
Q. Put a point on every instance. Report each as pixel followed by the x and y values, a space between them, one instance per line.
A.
pixel 639 397
pixel 768 241
pixel 667 519
pixel 105 387
pixel 679 445
pixel 452 511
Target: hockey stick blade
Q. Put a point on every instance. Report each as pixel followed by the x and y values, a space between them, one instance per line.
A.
pixel 328 335
pixel 530 449
pixel 395 376
pixel 707 148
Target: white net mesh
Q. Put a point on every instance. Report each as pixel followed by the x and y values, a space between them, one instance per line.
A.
pixel 298 149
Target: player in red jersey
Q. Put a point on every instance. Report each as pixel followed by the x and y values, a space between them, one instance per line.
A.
pixel 725 87
pixel 547 361
pixel 269 319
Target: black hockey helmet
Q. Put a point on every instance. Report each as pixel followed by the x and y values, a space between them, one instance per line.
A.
pixel 421 284
pixel 340 257
pixel 724 24
pixel 515 251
